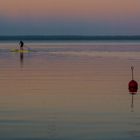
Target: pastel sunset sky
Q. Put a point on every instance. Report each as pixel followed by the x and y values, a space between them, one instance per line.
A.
pixel 69 17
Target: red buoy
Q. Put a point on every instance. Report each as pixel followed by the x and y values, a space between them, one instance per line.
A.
pixel 133 88
pixel 133 85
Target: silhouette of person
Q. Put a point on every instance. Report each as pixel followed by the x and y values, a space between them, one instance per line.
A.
pixel 21 43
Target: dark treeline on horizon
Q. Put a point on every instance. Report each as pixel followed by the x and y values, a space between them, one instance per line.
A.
pixel 68 37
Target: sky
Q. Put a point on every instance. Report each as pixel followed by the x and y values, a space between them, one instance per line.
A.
pixel 69 17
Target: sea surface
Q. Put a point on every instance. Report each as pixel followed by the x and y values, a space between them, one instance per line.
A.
pixel 69 91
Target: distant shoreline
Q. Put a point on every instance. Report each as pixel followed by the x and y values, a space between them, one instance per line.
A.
pixel 70 38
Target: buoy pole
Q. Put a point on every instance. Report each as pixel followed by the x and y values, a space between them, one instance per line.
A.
pixel 132 104
pixel 132 68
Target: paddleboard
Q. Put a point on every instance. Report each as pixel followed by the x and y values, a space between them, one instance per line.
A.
pixel 20 51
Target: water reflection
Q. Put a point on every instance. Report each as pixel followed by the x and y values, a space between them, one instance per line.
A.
pixel 21 58
pixel 51 126
pixel 133 88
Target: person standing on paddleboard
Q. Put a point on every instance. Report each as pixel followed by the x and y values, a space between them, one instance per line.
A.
pixel 21 43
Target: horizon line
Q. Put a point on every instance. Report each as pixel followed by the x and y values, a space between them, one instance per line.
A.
pixel 68 37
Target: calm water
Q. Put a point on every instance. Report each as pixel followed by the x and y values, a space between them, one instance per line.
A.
pixel 69 91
